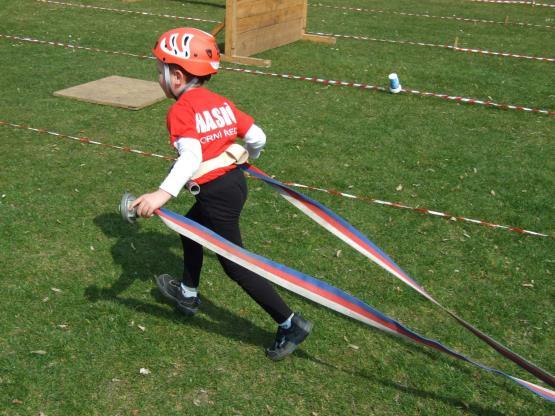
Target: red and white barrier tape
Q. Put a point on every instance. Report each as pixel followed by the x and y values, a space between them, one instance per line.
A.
pixel 460 19
pixel 293 184
pixel 405 90
pixel 313 79
pixel 84 140
pixel 356 9
pixel 69 46
pixel 452 47
pixel 527 3
pixel 108 9
pixel 27 39
pixel 420 210
pixel 455 48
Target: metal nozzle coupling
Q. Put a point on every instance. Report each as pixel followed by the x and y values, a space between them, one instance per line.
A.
pixel 128 214
pixel 193 187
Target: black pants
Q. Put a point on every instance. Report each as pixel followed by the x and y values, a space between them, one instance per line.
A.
pixel 218 207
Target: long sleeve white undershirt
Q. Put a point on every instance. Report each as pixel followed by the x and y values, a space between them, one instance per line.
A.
pixel 255 140
pixel 190 158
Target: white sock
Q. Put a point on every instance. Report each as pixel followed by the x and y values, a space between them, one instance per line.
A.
pixel 287 323
pixel 189 292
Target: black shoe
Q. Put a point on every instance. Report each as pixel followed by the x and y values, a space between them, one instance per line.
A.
pixel 287 340
pixel 171 290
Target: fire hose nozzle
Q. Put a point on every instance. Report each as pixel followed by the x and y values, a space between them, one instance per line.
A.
pixel 127 213
pixel 193 187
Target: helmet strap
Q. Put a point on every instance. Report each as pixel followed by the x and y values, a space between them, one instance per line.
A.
pixel 167 80
pixel 191 83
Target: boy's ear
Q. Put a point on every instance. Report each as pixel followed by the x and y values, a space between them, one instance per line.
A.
pixel 180 76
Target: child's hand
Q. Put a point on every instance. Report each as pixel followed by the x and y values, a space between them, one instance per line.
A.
pixel 148 203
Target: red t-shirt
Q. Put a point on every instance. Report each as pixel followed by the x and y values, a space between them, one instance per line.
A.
pixel 210 118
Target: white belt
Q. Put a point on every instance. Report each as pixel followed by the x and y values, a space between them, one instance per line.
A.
pixel 235 154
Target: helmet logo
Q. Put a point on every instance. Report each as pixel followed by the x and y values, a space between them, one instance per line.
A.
pixel 178 45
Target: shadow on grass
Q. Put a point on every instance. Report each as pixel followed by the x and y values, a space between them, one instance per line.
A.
pixel 432 355
pixel 202 3
pixel 128 251
pixel 471 408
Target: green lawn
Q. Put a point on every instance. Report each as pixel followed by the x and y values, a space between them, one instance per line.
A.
pixel 80 314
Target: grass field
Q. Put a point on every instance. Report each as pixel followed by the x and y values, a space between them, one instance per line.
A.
pixel 80 316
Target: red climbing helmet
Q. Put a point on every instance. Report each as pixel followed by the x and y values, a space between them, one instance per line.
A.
pixel 192 49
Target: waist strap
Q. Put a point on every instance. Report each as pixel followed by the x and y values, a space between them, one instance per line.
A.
pixel 234 154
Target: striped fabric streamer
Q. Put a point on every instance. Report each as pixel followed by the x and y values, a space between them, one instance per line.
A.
pixel 318 291
pixel 382 259
pixel 354 238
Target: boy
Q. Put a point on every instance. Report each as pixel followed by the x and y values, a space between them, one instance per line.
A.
pixel 202 125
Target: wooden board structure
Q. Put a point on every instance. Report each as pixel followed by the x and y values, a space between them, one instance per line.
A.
pixel 253 26
pixel 116 91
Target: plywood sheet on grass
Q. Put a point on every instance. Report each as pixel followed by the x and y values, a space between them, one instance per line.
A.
pixel 116 91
